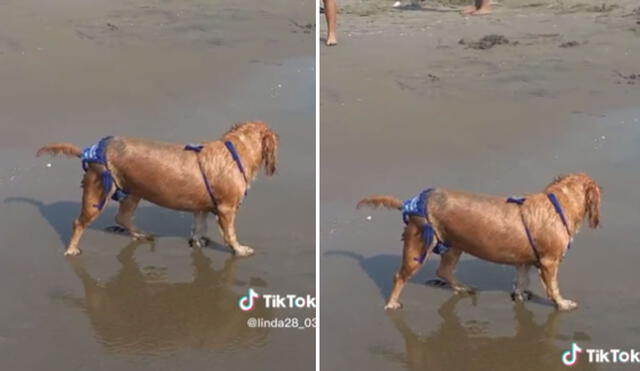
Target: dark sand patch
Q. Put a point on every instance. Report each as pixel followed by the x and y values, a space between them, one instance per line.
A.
pixel 487 42
pixel 630 79
pixel 569 44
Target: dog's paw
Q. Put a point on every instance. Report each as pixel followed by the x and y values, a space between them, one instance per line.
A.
pixel 72 252
pixel 199 242
pixel 521 296
pixel 142 236
pixel 393 306
pixel 464 290
pixel 196 242
pixel 566 305
pixel 243 251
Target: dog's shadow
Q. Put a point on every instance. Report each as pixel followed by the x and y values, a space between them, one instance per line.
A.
pixel 158 221
pixel 139 311
pixel 464 345
pixel 481 275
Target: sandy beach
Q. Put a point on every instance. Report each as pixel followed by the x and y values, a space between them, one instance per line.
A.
pixel 178 71
pixel 414 98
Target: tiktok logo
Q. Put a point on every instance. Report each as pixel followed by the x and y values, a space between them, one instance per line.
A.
pixel 570 357
pixel 246 303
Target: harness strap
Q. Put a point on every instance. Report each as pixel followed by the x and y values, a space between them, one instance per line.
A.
pixel 556 205
pixel 236 158
pixel 558 208
pixel 97 154
pixel 520 201
pixel 418 206
pixel 193 147
pixel 516 200
pixel 197 148
pixel 530 238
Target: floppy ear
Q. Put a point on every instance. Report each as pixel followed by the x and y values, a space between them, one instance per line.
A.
pixel 592 204
pixel 270 152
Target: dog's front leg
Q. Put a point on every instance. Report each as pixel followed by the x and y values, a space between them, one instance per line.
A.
pixel 199 230
pixel 521 285
pixel 549 275
pixel 226 222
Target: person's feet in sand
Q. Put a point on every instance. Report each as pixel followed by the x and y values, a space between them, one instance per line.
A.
pixel 481 7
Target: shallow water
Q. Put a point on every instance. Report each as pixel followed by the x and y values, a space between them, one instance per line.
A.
pixel 486 134
pixel 175 71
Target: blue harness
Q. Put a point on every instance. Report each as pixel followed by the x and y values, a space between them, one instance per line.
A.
pixel 234 154
pixel 97 154
pixel 418 206
pixel 556 205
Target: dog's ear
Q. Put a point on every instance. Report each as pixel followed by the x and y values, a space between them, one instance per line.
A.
pixel 270 152
pixel 592 203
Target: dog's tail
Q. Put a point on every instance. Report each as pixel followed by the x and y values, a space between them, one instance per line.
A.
pixel 66 149
pixel 376 201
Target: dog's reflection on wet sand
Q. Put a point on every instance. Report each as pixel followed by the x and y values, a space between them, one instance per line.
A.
pixel 459 345
pixel 138 312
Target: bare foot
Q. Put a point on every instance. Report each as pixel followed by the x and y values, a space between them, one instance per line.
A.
pixel 331 40
pixel 72 252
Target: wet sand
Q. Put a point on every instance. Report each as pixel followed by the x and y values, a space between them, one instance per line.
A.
pixel 167 70
pixel 405 106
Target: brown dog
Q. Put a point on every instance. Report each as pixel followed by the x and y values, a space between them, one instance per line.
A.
pixel 203 179
pixel 528 232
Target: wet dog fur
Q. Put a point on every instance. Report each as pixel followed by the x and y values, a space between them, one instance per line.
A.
pixel 167 175
pixel 491 229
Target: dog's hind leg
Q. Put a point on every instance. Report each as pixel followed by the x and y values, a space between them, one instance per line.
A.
pixel 549 275
pixel 521 284
pixel 447 266
pixel 226 222
pixel 125 218
pixel 199 230
pixel 411 263
pixel 92 195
